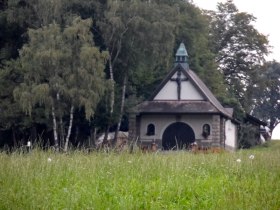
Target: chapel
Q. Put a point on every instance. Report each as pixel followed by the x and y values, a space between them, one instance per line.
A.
pixel 181 112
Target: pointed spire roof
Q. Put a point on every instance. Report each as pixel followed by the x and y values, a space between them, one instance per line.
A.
pixel 182 50
pixel 182 56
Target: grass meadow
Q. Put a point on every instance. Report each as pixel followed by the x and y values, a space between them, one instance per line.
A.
pixel 246 179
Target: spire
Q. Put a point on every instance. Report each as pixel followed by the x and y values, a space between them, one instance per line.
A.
pixel 181 54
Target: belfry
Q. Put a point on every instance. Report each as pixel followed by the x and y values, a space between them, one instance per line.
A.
pixel 181 111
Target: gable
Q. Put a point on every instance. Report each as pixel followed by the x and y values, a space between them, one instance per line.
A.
pixel 191 88
pixel 170 89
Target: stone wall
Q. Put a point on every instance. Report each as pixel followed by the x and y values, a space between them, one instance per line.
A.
pixel 132 127
pixel 216 131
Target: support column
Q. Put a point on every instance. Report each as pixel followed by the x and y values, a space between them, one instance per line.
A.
pixel 132 127
pixel 133 132
pixel 223 132
pixel 216 131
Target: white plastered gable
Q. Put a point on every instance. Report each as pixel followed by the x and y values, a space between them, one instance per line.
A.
pixel 187 90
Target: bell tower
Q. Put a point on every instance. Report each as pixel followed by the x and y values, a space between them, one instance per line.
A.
pixel 182 55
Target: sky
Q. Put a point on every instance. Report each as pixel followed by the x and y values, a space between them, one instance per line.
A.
pixel 267 14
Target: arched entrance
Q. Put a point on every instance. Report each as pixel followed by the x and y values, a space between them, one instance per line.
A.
pixel 177 136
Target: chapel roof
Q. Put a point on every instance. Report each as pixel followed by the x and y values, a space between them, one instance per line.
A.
pixel 171 107
pixel 209 104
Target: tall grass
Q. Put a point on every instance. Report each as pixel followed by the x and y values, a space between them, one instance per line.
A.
pixel 170 180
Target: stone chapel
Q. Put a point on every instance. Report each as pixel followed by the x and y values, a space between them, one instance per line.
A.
pixel 183 111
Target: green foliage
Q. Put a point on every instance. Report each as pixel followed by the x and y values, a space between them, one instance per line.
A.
pixel 60 65
pixel 267 94
pixel 248 136
pixel 138 36
pixel 240 49
pixel 193 29
pixel 10 38
pixel 44 180
pixel 49 68
pixel 11 112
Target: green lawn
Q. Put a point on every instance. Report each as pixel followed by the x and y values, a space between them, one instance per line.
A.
pixel 173 180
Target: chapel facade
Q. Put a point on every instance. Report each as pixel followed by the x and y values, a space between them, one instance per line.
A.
pixel 183 111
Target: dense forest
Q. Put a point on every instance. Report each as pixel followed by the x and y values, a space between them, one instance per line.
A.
pixel 72 69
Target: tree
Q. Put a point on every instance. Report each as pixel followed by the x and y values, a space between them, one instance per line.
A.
pixel 239 48
pixel 11 114
pixel 138 37
pixel 63 71
pixel 193 29
pixel 266 94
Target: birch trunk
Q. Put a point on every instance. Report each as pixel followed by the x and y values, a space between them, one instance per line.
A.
pixel 55 130
pixel 69 129
pixel 121 110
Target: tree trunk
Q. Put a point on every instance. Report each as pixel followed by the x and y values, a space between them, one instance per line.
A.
pixel 273 123
pixel 55 130
pixel 112 101
pixel 61 132
pixel 77 133
pixel 92 138
pixel 61 136
pixel 106 134
pixel 69 129
pixel 112 98
pixel 121 111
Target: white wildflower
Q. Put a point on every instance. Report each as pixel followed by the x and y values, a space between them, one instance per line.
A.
pixel 49 160
pixel 251 157
pixel 238 160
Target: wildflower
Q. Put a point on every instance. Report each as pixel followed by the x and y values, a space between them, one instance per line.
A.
pixel 251 157
pixel 29 143
pixel 49 160
pixel 238 160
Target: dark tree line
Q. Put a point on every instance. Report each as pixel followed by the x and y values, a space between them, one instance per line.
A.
pixel 71 69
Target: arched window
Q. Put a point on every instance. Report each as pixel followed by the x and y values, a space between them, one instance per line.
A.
pixel 206 130
pixel 150 130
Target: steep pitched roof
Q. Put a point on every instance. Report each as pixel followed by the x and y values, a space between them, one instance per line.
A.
pixel 176 107
pixel 210 104
pixel 182 50
pixel 253 120
pixel 208 94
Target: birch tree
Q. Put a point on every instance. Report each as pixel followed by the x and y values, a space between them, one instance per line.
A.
pixel 138 37
pixel 63 71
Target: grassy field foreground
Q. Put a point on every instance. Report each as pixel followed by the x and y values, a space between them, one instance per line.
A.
pixel 247 179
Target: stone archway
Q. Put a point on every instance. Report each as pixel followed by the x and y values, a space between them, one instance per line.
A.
pixel 177 136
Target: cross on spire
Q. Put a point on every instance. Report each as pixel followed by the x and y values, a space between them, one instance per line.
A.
pixel 179 80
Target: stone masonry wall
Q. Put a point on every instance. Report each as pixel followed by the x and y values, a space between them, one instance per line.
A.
pixel 132 128
pixel 216 131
